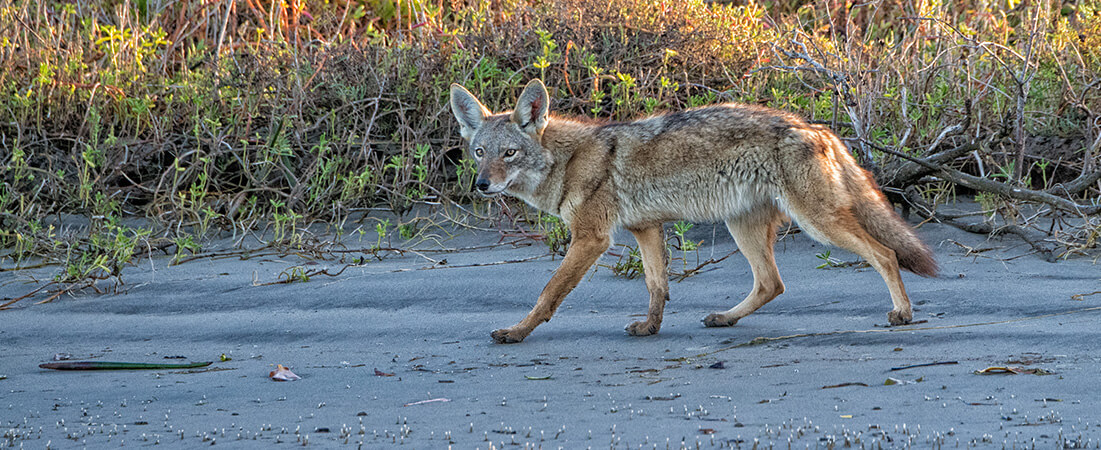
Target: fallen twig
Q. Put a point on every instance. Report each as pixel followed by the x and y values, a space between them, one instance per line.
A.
pixel 292 277
pixel 109 365
pixel 1081 297
pixel 29 294
pixel 456 266
pixel 678 277
pixel 833 386
pixel 243 253
pixel 432 400
pixel 938 363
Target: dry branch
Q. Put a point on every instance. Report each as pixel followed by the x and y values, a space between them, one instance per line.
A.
pixel 1036 239
pixel 985 185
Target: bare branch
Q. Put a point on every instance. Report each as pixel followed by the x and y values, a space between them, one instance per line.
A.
pixel 983 184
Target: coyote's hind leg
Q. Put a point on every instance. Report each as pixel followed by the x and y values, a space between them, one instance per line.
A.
pixel 755 235
pixel 843 230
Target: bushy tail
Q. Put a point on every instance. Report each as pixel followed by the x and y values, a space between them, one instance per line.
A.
pixel 884 224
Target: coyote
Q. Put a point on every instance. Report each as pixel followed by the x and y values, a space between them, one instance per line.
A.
pixel 749 166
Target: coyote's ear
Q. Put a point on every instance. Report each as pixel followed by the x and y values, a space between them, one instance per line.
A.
pixel 470 112
pixel 532 108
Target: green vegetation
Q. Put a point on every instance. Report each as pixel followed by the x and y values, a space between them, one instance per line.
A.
pixel 137 126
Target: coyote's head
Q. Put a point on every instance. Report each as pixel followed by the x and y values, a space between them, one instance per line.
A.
pixel 508 146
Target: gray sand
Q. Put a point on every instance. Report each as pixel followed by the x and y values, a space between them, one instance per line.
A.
pixel 430 328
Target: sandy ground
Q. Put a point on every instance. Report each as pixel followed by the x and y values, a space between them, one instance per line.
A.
pixel 579 381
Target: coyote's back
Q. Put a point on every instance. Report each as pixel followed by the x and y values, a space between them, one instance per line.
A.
pixel 748 166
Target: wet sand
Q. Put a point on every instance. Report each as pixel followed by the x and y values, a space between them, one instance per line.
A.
pixel 578 381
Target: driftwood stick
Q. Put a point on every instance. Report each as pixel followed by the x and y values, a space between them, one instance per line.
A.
pixel 1036 239
pixel 983 184
pixel 1077 185
pixel 911 170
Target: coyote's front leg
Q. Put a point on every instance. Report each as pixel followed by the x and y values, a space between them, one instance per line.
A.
pixel 587 245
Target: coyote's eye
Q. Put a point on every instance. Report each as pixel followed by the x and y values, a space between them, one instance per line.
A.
pixel 510 153
pixel 479 152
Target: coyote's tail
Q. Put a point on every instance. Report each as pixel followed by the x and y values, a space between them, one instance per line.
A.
pixel 879 218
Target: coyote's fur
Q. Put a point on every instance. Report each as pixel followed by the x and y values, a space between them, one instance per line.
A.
pixel 749 166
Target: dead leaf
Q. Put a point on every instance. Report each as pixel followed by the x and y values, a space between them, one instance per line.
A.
pixel 282 374
pixel 707 431
pixel 379 373
pixel 996 370
pixel 992 370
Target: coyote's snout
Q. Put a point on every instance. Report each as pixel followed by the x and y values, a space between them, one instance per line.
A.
pixel 748 166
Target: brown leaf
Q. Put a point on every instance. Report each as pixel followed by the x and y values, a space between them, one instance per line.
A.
pixel 994 370
pixel 379 373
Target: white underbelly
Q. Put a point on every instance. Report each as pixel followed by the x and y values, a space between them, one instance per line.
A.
pixel 702 202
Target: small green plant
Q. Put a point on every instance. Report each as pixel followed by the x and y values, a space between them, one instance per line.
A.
pixel 667 86
pixel 420 171
pixel 466 171
pixel 830 262
pixel 284 224
pixel 549 54
pixel 1043 164
pixel 294 274
pixel 596 97
pixel 989 202
pixel 706 98
pixel 555 233
pixel 109 248
pixel 407 231
pixel 629 266
pixel 834 263
pixel 679 229
pixel 382 229
pixel 1006 172
pixel 622 94
pixel 184 243
pixel 684 244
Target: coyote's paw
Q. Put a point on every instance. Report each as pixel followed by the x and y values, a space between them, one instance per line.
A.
pixel 642 328
pixel 900 317
pixel 718 320
pixel 508 336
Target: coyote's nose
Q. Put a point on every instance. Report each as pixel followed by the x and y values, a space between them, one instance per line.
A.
pixel 482 184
